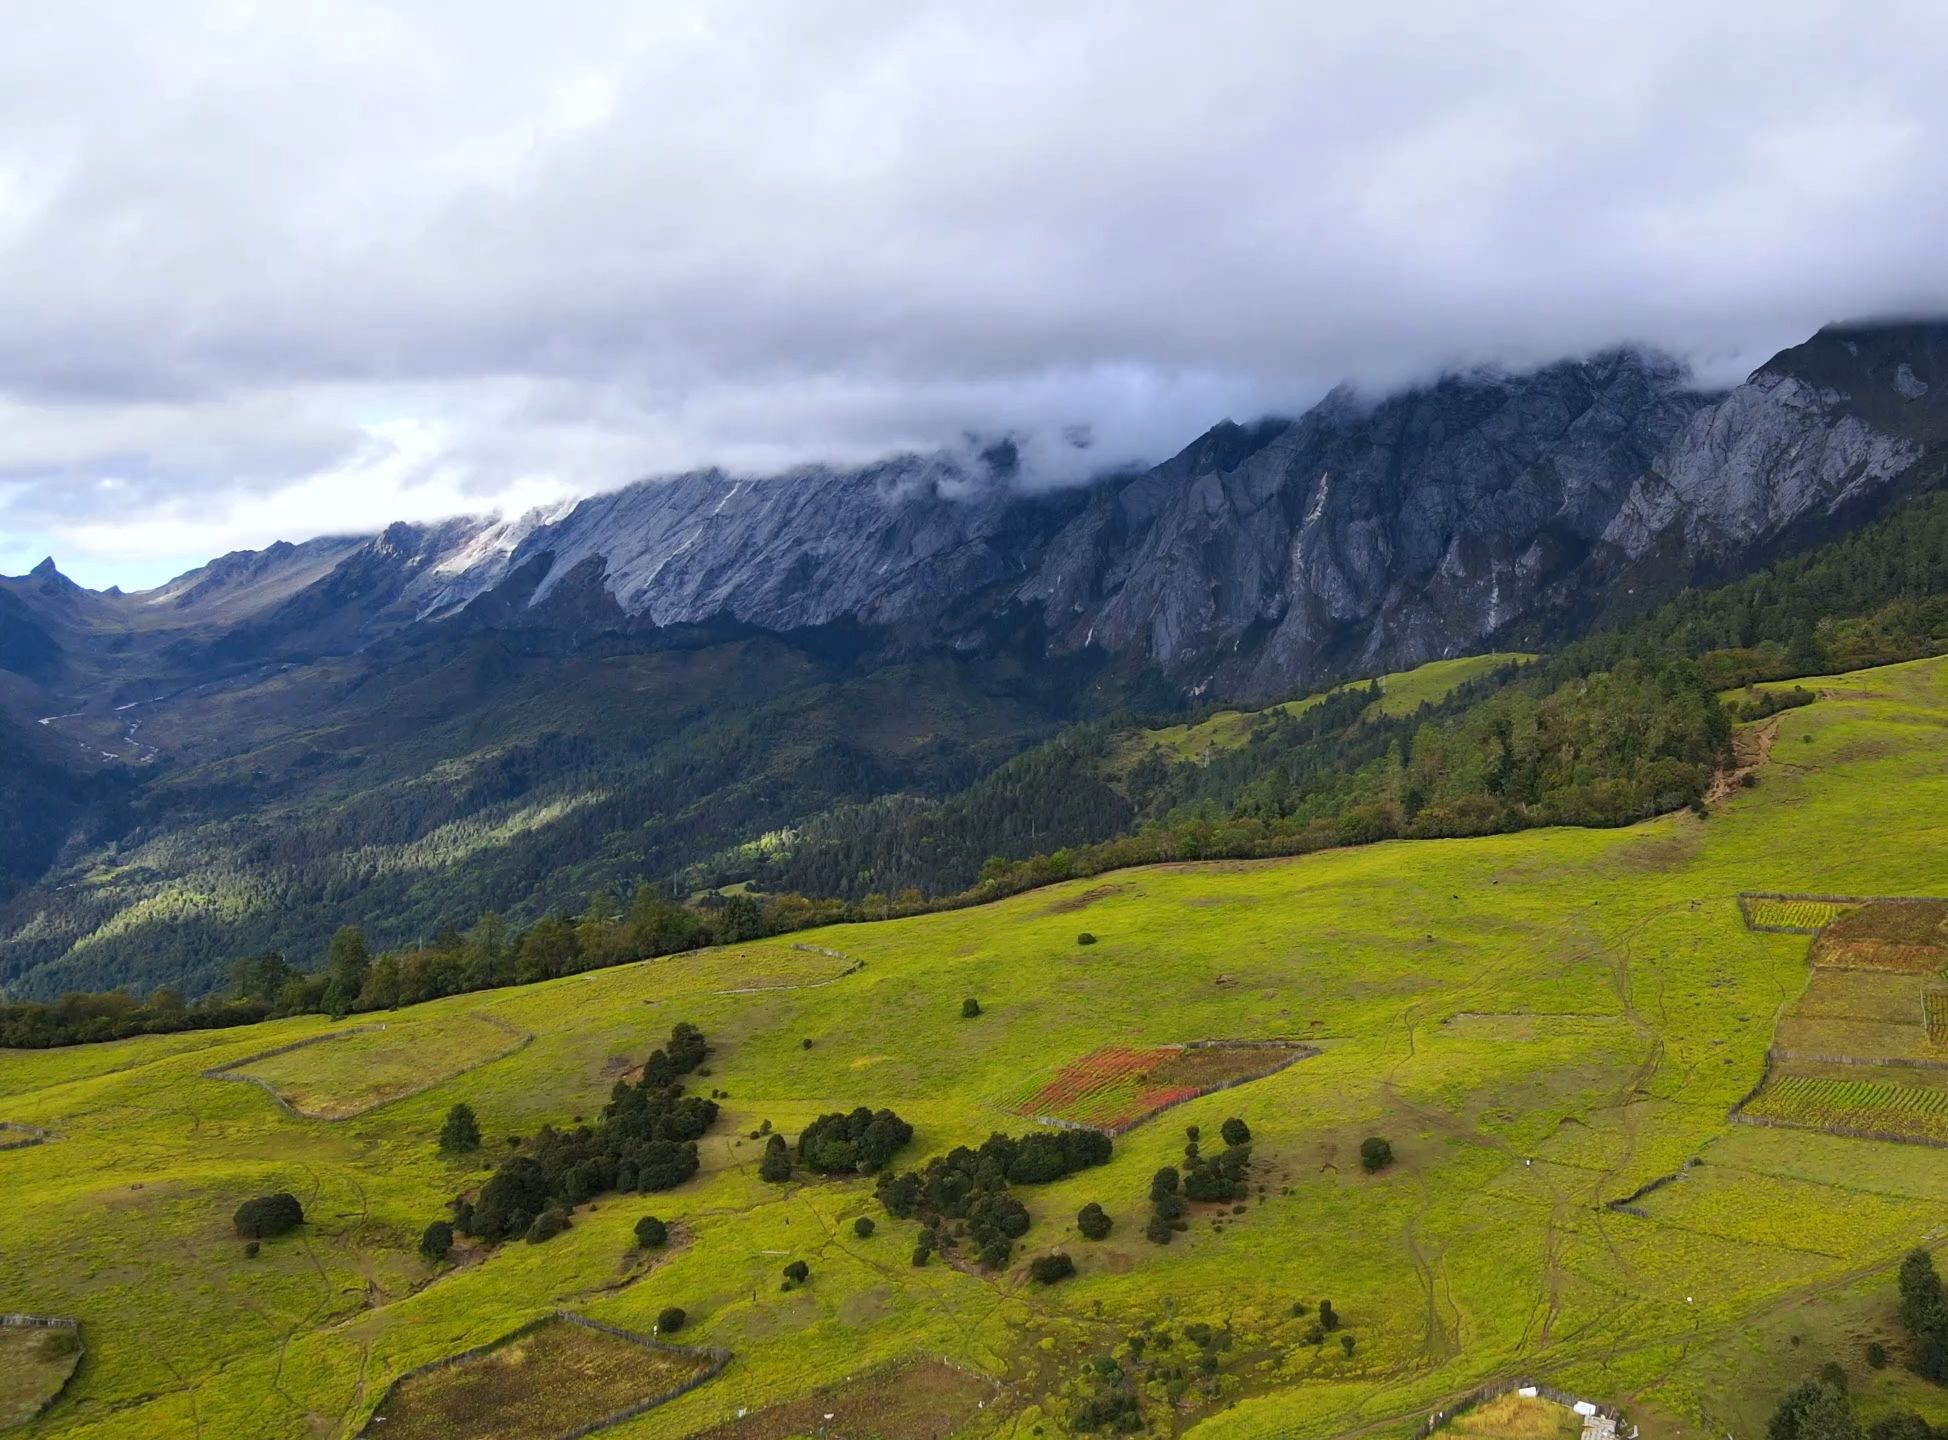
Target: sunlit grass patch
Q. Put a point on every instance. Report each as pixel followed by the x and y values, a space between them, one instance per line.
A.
pixel 1516 1417
pixel 348 1072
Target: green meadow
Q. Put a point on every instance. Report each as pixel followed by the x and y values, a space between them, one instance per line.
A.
pixel 1540 1023
pixel 1400 694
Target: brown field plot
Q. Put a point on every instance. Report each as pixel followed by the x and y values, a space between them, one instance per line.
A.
pixel 34 1365
pixel 548 1380
pixel 1117 1086
pixel 919 1400
pixel 1907 937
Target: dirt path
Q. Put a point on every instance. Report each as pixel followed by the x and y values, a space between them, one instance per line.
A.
pixel 1750 750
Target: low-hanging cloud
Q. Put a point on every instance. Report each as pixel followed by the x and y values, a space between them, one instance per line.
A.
pixel 274 269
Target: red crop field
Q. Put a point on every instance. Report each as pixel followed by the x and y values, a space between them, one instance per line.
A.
pixel 1117 1086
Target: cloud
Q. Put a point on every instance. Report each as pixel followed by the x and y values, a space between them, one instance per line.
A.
pixel 460 255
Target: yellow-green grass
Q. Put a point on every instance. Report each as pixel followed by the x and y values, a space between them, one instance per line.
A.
pixel 544 1382
pixel 1516 1417
pixel 34 1364
pixel 349 1071
pixel 1400 694
pixel 1540 1023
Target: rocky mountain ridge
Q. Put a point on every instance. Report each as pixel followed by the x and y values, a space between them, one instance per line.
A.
pixel 1358 537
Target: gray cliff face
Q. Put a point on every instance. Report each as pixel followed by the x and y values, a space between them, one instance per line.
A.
pixel 1361 538
pixel 1355 539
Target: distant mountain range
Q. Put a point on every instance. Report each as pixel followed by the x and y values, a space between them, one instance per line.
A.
pixel 578 652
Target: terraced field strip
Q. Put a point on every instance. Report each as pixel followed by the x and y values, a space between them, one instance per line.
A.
pixel 1794 914
pixel 1934 1005
pixel 1116 1087
pixel 1871 1108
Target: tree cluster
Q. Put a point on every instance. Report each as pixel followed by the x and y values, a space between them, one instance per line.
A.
pixel 645 1141
pixel 1205 1178
pixel 1924 1316
pixel 858 1143
pixel 965 1193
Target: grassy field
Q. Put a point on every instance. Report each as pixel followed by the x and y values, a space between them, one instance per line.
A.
pixel 1400 694
pixel 540 1384
pixel 1540 1023
pixel 361 1067
pixel 34 1364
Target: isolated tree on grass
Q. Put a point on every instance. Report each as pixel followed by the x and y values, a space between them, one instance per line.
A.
pixel 797 1273
pixel 1235 1132
pixel 671 1320
pixel 460 1134
pixel 1047 1269
pixel 969 1008
pixel 651 1232
pixel 1375 1154
pixel 1092 1221
pixel 435 1240
pixel 268 1216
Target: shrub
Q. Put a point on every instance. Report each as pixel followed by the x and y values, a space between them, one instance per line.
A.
pixel 1159 1231
pixel 969 1008
pixel 1164 1182
pixel 435 1240
pixel 994 1254
pixel 1047 1269
pixel 1235 1132
pixel 1876 1355
pixel 1328 1317
pixel 806 1043
pixel 776 1164
pixel 250 1250
pixel 798 1272
pixel 460 1134
pixel 1085 938
pixel 1315 1335
pixel 1375 1154
pixel 671 1320
pixel 651 1233
pixel 1346 1343
pixel 1299 1307
pixel 1092 1221
pixel 548 1224
pixel 863 1227
pixel 269 1216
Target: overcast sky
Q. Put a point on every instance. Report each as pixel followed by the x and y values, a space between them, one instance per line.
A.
pixel 276 269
